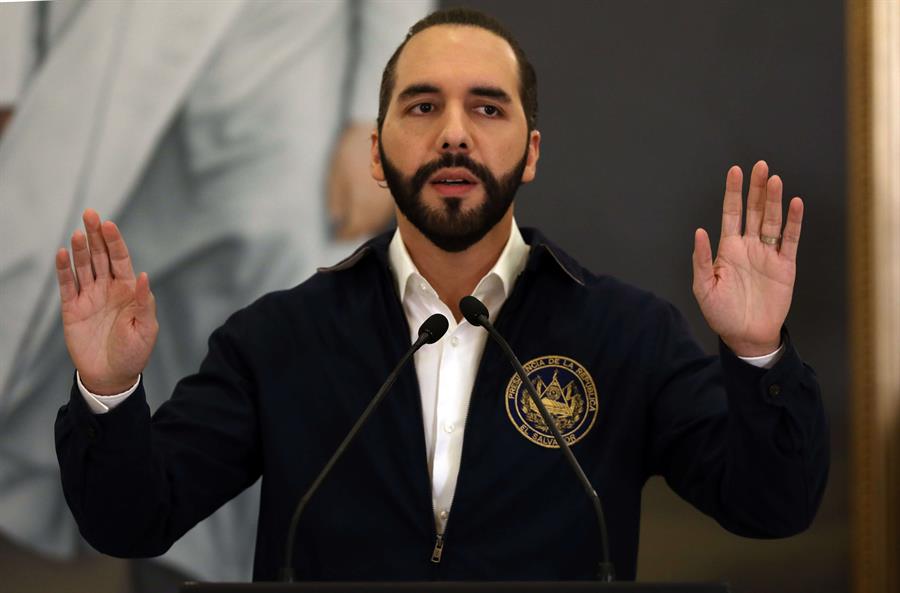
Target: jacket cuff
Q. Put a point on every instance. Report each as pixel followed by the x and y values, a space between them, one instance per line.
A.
pixel 117 423
pixel 771 385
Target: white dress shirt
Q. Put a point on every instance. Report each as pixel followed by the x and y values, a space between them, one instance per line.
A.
pixel 445 370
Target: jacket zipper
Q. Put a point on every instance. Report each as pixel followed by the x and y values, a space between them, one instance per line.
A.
pixel 441 538
pixel 438 548
pixel 438 537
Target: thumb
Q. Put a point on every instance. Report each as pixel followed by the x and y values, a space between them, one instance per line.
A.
pixel 702 260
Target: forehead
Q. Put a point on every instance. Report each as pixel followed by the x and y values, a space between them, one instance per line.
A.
pixel 464 54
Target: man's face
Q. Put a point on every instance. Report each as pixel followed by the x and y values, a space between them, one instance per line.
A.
pixel 455 145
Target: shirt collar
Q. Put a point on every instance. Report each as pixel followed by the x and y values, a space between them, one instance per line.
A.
pixel 509 265
pixel 535 242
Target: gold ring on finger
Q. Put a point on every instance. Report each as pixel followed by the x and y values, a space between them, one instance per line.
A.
pixel 770 240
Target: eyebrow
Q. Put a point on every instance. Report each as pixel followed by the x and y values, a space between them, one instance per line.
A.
pixel 491 92
pixel 417 89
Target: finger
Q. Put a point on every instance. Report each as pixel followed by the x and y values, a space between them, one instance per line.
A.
pixel 82 257
pixel 354 216
pixel 771 223
pixel 99 253
pixel 756 198
pixel 119 260
pixel 731 208
pixel 142 294
pixel 702 260
pixel 64 277
pixel 146 313
pixel 791 239
pixel 338 201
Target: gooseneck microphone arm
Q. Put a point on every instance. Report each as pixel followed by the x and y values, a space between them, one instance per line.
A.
pixel 432 330
pixel 477 314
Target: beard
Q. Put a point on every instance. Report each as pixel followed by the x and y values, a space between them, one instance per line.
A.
pixel 449 227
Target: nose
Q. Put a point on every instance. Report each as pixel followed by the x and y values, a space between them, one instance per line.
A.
pixel 454 136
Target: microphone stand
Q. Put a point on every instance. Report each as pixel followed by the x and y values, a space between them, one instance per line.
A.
pixel 475 312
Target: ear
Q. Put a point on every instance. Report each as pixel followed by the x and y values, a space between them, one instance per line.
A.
pixel 534 153
pixel 375 163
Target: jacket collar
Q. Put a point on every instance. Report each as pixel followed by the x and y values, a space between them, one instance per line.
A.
pixel 543 252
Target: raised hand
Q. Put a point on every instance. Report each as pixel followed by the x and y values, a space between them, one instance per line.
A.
pixel 109 316
pixel 745 294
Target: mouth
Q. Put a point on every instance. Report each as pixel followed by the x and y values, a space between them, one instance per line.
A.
pixel 453 182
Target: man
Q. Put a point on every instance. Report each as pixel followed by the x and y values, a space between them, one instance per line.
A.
pixel 206 129
pixel 286 377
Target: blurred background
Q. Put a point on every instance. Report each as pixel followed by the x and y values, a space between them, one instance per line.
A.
pixel 247 124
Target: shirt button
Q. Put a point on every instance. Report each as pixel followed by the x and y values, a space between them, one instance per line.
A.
pixel 449 427
pixel 454 341
pixel 443 515
pixel 775 390
pixel 423 286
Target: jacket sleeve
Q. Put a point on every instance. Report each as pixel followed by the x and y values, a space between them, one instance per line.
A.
pixel 136 484
pixel 745 445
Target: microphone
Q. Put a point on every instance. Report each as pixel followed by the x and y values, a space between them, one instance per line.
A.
pixel 432 330
pixel 477 314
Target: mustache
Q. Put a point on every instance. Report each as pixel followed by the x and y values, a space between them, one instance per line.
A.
pixel 448 161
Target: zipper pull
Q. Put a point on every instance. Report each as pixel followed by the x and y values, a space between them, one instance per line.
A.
pixel 438 549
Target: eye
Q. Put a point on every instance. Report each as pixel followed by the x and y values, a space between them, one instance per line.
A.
pixel 489 110
pixel 422 108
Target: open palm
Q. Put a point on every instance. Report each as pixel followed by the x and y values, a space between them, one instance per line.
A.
pixel 109 316
pixel 745 294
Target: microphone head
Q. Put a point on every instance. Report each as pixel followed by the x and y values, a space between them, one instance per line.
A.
pixel 473 310
pixel 434 328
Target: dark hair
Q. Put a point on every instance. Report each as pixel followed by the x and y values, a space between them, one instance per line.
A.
pixel 470 18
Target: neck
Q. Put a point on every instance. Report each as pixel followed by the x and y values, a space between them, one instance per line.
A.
pixel 455 275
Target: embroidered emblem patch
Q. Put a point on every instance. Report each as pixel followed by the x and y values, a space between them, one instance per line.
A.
pixel 568 392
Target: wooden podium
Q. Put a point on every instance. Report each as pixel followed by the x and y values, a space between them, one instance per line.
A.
pixel 455 587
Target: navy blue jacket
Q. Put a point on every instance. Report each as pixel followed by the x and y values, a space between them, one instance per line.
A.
pixel 286 377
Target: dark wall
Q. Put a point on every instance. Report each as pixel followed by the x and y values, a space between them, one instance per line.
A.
pixel 643 107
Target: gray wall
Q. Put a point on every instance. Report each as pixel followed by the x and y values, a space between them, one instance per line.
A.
pixel 643 107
